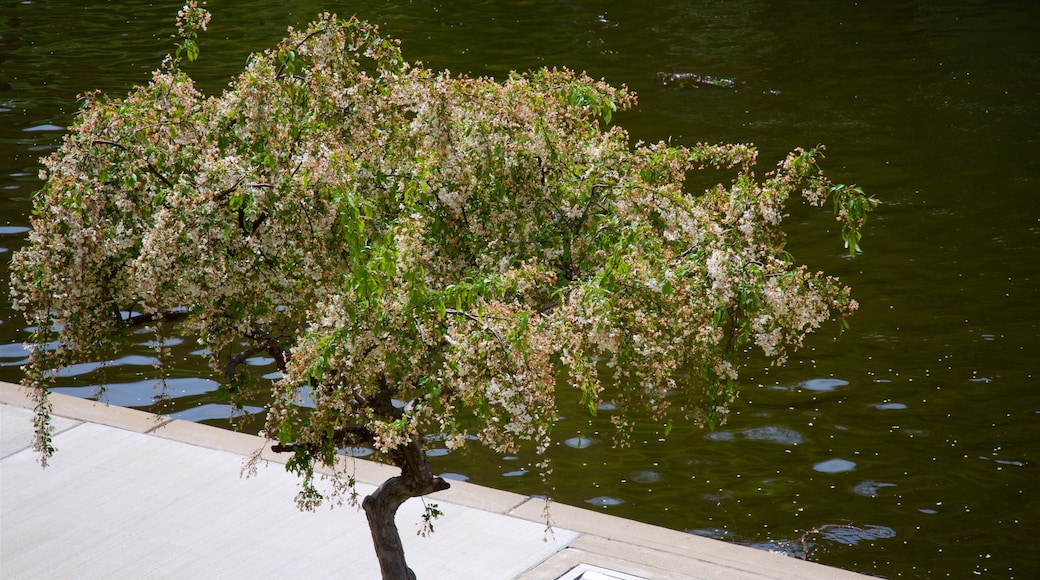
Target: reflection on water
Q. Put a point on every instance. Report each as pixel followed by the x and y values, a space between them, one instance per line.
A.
pixel 581 442
pixel 870 488
pixel 214 411
pixel 834 466
pixel 142 393
pixel 904 448
pixel 604 501
pixel 820 385
pixel 646 476
pixel 772 433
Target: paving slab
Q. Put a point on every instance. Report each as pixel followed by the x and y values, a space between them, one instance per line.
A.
pixel 130 495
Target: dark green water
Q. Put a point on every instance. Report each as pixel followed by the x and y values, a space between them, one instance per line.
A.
pixel 920 426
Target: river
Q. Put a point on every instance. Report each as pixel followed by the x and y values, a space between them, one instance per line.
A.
pixel 909 446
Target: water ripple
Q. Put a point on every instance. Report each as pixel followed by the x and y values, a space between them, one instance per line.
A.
pixel 870 488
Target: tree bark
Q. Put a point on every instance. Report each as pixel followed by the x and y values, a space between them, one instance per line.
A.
pixel 416 480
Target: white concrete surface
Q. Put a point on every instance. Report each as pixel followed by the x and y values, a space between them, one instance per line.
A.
pixel 132 495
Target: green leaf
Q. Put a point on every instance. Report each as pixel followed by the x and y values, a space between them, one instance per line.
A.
pixel 192 48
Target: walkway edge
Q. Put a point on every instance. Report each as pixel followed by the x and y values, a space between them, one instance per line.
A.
pixel 627 546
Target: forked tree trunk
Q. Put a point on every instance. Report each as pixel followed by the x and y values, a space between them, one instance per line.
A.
pixel 416 480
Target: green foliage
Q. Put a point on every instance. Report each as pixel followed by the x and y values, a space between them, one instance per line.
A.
pixel 851 206
pixel 431 511
pixel 190 20
pixel 467 247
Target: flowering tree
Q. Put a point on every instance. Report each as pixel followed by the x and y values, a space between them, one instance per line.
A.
pixel 420 253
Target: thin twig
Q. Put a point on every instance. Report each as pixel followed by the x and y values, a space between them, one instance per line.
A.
pixel 489 329
pixel 151 168
pixel 803 539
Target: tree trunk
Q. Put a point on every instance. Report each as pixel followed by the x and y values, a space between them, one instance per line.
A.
pixel 416 480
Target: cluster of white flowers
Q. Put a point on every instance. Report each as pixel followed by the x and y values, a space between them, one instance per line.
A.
pixel 191 18
pixel 719 263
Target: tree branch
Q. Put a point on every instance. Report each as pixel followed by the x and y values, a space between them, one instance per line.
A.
pixel 488 329
pixel 548 308
pixel 346 437
pixel 263 343
pixel 151 168
pixel 163 315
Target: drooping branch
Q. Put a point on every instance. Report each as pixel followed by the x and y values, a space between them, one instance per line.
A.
pixel 546 309
pixel 488 329
pixel 382 405
pixel 803 540
pixel 344 437
pixel 263 342
pixel 250 229
pixel 162 316
pixel 151 168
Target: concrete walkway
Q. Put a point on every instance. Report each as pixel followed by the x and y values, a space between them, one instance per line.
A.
pixel 135 495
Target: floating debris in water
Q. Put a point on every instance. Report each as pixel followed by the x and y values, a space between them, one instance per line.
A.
pixel 682 79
